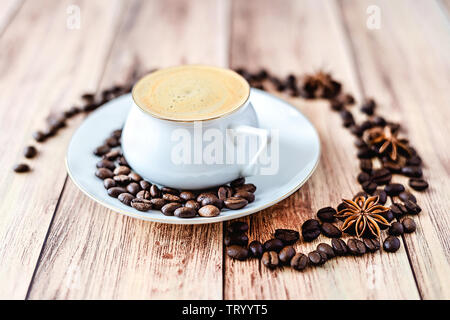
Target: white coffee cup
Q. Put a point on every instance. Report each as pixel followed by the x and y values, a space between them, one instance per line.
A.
pixel 148 146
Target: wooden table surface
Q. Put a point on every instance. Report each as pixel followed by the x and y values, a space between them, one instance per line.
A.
pixel 56 243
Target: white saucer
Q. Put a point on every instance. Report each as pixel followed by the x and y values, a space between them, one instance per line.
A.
pixel 299 155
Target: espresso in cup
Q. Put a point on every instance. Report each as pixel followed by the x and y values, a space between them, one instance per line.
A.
pixel 191 93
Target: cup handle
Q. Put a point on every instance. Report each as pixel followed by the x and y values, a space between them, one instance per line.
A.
pixel 263 136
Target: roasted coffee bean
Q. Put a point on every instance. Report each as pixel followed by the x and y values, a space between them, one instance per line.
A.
pixel 157 203
pixel 30 152
pixel 21 168
pixel 273 245
pixel 388 215
pixel 286 254
pixel 287 236
pixel 336 105
pixel 330 230
pixel 381 176
pixel 409 225
pixel 379 121
pixel 187 195
pixel 168 209
pixel 172 198
pixel 363 177
pixel 122 161
pixel 366 165
pixel 109 183
pixel 112 142
pixel 204 195
pixel 249 187
pixel 39 136
pixel 366 125
pixel 126 198
pixel 224 192
pixel 237 183
pixel 113 155
pixel 122 179
pixel 310 230
pixel 414 161
pixel 382 196
pixel 209 211
pixel 356 130
pixel 326 214
pixel 341 206
pixel 88 97
pixel 356 247
pixel 394 189
pixel 154 191
pixel 106 164
pixel 369 187
pixel 327 249
pixel 396 229
pixel 299 262
pixel 359 143
pixel 237 227
pixel 143 194
pixel 256 249
pixel 270 259
pixel 212 200
pixel 145 185
pixel 234 203
pixel 74 110
pixel 237 252
pixel 117 133
pixel 412 171
pixel 368 107
pixel 185 212
pixel 412 207
pixel 365 153
pixel 240 239
pixel 133 188
pixel 392 166
pixel 104 173
pixel 315 258
pixel 116 191
pixel 192 204
pixel 372 245
pixel 347 118
pixel 122 170
pixel 50 131
pixel 360 194
pixel 250 197
pixel 339 247
pixel 99 151
pixel 170 191
pixel 141 204
pixel 405 196
pixel 135 177
pixel 418 184
pixel 391 244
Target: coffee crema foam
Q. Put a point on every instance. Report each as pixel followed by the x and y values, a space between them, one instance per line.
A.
pixel 189 93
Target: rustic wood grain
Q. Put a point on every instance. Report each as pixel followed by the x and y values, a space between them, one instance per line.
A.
pixel 406 66
pixel 93 252
pixel 8 9
pixel 44 66
pixel 300 37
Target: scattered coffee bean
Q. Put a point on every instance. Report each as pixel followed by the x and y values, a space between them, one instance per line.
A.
pixel 379 121
pixel 30 152
pixel 412 171
pixel 394 189
pixel 396 229
pixel 347 118
pixel 133 188
pixel 237 183
pixel 157 203
pixel 339 246
pixel 368 107
pixel 154 191
pixel 270 259
pixel 126 198
pixel 326 214
pixel 369 186
pixel 240 239
pixel 234 203
pixel 392 166
pixel 405 196
pixel 341 206
pixel 366 125
pixel 21 168
pixel 185 212
pixel 168 209
pixel 327 249
pixel 249 187
pixel 113 155
pixel 299 262
pixel 122 161
pixel 356 247
pixel 273 245
pixel 286 254
pixel 170 191
pixel 310 230
pixel 99 151
pixel 382 196
pixel 145 185
pixel 212 200
pixel 192 204
pixel 109 183
pixel 116 191
pixel 391 244
pixel 237 227
pixel 360 194
pixel 396 210
pixel 316 258
pixel 330 230
pixel 365 153
pixel 250 197
pixel 143 194
pixel 135 177
pixel 287 236
pixel 187 195
pixel 122 179
pixel 209 211
pixel 141 204
pixel 172 198
pixel 418 184
pixel 366 165
pixel 256 249
pixel 363 177
pixel 412 207
pixel 204 195
pixel 414 161
pixel 237 252
pixel 224 192
pixel 409 225
pixel 106 164
pixel 104 173
pixel 388 215
pixel 112 142
pixel 122 170
pixel 381 176
pixel 39 136
pixel 372 245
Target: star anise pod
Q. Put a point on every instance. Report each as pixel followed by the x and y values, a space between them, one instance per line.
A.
pixel 320 85
pixel 386 141
pixel 363 216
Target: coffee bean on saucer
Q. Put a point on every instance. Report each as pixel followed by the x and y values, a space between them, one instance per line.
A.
pixel 234 203
pixel 396 229
pixel 116 133
pixel 143 194
pixel 287 236
pixel 122 161
pixel 366 165
pixel 316 258
pixel 113 155
pixel 412 171
pixel 330 230
pixel 122 170
pixel 185 212
pixel 270 259
pixel 310 230
pixel 237 227
pixel 99 151
pixel 326 214
pixel 170 191
pixel 192 204
pixel 299 262
pixel 135 177
pixel 237 183
pixel 273 245
pixel 286 254
pixel 126 198
pixel 412 207
pixel 154 191
pixel 122 179
pixel 363 177
pixel 157 203
pixel 372 245
pixel 394 189
pixel 391 244
pixel 30 152
pixel 209 211
pixel 212 200
pixel 21 168
pixel 187 195
pixel 409 225
pixel 109 183
pixel 145 185
pixel 418 184
pixel 204 195
pixel 405 196
pixel 339 247
pixel 112 142
pixel 133 188
pixel 141 204
pixel 106 164
pixel 250 197
pixel 172 198
pixel 39 136
pixel 356 247
pixel 381 176
pixel 327 249
pixel 104 173
pixel 237 252
pixel 116 191
pixel 249 187
pixel 168 209
pixel 369 186
pixel 240 239
pixel 224 192
pixel 256 249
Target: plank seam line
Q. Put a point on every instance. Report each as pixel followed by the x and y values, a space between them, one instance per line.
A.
pixel 11 17
pixel 352 54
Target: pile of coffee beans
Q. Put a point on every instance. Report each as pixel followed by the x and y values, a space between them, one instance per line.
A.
pixel 121 182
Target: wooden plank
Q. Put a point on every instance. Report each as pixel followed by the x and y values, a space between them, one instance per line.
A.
pixel 8 9
pixel 95 253
pixel 406 65
pixel 298 37
pixel 44 67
